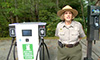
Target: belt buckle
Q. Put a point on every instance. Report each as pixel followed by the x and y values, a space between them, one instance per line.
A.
pixel 65 45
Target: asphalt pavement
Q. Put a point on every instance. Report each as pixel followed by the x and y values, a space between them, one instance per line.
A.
pixel 52 47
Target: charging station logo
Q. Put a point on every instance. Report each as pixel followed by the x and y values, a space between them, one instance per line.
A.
pixel 28 51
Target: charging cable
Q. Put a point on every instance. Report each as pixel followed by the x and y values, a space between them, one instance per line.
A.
pixel 10 48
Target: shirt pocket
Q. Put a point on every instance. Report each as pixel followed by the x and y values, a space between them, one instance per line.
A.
pixel 75 35
pixel 61 34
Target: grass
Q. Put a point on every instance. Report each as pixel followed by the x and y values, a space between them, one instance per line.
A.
pixel 50 37
pixel 9 38
pixel 5 38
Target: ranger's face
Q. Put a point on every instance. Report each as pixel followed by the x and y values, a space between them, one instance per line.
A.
pixel 68 15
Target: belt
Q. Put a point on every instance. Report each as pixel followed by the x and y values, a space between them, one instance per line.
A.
pixel 71 45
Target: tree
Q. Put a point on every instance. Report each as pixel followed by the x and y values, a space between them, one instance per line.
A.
pixel 14 11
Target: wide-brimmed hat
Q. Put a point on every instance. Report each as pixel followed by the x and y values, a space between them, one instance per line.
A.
pixel 67 8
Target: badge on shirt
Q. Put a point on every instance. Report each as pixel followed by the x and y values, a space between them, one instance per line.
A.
pixel 60 30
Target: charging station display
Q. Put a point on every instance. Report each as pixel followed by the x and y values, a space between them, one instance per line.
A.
pixel 26 32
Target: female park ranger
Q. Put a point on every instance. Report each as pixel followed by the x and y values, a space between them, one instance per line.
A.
pixel 69 33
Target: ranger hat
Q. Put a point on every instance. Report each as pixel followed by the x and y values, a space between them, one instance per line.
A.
pixel 67 8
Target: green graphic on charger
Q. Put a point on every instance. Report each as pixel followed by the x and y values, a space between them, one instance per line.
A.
pixel 28 51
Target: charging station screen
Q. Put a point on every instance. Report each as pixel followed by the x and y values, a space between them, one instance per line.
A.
pixel 95 10
pixel 26 32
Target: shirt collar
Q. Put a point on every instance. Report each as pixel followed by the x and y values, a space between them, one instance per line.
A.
pixel 71 25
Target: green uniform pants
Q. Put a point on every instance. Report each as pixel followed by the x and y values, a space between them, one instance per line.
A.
pixel 74 53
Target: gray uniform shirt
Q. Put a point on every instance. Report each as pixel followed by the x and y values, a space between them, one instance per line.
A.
pixel 69 34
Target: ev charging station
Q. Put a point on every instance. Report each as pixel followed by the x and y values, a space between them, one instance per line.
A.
pixel 93 28
pixel 27 37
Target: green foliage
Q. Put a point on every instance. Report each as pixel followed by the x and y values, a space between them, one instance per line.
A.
pixel 28 10
pixel 3 27
pixel 51 19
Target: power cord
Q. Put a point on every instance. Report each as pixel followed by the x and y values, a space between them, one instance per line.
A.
pixel 42 44
pixel 10 48
pixel 14 55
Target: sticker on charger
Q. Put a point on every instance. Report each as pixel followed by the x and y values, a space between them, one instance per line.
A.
pixel 28 51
